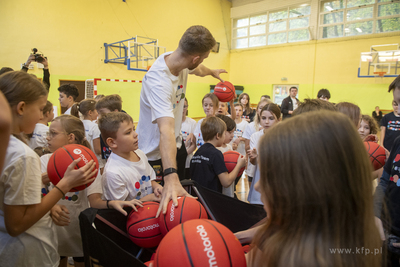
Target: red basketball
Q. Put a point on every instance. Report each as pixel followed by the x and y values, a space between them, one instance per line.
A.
pixel 225 91
pixel 230 159
pixel 188 209
pixel 376 154
pixel 200 243
pixel 143 227
pixel 63 157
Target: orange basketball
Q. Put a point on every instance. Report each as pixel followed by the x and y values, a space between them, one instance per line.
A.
pixel 63 157
pixel 143 227
pixel 200 243
pixel 225 91
pixel 188 209
pixel 230 159
pixel 376 154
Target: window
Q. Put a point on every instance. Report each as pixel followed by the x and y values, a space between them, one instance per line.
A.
pixel 340 18
pixel 274 27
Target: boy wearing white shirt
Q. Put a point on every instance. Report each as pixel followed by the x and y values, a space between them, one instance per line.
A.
pixel 68 95
pixel 38 138
pixel 127 174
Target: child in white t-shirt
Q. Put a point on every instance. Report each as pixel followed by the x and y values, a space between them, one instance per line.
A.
pixel 64 130
pixel 210 103
pixel 241 124
pixel 188 126
pixel 38 138
pixel 88 110
pixel 27 233
pixel 270 116
pixel 230 129
pixel 253 127
pixel 127 174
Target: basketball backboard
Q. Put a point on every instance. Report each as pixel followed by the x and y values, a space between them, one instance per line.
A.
pixel 138 53
pixel 380 61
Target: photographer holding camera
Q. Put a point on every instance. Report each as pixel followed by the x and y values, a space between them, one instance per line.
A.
pixel 39 58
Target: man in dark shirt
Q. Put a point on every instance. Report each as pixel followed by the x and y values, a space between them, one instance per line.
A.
pixel 390 127
pixel 290 103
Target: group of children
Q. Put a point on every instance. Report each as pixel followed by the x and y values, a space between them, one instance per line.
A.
pixel 310 173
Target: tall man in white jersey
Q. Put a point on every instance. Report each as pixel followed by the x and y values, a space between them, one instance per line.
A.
pixel 161 104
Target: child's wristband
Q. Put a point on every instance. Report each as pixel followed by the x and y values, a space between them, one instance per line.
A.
pixel 108 207
pixel 60 190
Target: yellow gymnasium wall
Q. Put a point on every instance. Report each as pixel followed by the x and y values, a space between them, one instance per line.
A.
pixel 71 34
pixel 330 64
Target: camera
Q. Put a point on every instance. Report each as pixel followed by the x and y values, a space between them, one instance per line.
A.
pixel 38 57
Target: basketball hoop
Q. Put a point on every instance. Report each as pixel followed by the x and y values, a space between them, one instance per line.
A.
pixel 380 73
pixel 379 76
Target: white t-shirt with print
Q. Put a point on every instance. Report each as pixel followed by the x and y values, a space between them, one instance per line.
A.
pixel 69 237
pixel 92 132
pixel 240 128
pixel 197 133
pixel 20 184
pixel 254 196
pixel 162 95
pixel 39 135
pixel 188 127
pixel 127 180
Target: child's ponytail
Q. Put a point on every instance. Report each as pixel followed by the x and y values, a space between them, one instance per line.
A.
pixel 86 105
pixel 75 110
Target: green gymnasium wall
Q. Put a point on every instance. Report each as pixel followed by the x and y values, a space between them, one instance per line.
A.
pixel 71 34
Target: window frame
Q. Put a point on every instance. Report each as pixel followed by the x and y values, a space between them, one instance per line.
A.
pixel 345 21
pixel 267 33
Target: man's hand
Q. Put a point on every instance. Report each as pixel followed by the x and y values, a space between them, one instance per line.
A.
pixel 29 60
pixel 217 72
pixel 172 190
pixel 45 63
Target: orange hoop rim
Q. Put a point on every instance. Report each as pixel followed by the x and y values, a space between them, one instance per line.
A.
pixel 380 73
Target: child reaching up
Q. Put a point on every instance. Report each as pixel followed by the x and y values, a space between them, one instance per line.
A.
pixel 27 234
pixel 210 103
pixel 127 174
pixel 270 115
pixel 207 166
pixel 316 189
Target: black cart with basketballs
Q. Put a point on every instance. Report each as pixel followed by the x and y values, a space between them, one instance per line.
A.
pixel 106 242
